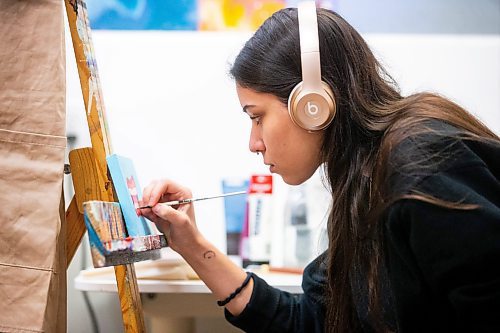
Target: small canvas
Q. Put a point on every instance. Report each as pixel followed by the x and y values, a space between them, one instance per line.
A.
pixel 104 225
pixel 109 244
pixel 129 193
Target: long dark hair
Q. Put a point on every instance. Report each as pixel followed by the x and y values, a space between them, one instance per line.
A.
pixel 372 118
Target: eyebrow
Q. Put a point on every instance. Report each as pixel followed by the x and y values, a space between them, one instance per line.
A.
pixel 245 108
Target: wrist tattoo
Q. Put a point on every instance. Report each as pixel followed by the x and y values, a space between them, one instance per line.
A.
pixel 209 254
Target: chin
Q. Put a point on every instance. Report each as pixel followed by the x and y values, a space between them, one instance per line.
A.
pixel 294 180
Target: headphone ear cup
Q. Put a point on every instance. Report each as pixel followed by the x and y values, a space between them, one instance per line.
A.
pixel 312 110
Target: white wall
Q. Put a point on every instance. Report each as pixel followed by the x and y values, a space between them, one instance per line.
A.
pixel 172 108
pixel 465 68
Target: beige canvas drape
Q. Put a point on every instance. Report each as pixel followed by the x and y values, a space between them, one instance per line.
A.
pixel 32 147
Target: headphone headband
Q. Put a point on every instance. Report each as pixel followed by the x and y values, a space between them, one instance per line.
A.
pixel 311 104
pixel 309 46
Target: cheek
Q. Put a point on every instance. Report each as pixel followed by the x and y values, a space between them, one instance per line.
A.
pixel 285 144
pixel 308 146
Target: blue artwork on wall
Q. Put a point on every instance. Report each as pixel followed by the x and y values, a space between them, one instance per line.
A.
pixel 143 14
pixel 201 15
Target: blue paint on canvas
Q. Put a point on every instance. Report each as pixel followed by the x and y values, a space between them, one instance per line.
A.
pixel 129 193
pixel 143 14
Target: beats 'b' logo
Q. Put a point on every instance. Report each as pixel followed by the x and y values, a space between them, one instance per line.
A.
pixel 311 109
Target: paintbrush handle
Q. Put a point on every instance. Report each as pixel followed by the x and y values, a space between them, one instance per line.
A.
pixel 186 201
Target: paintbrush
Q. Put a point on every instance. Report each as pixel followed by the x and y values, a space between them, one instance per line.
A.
pixel 186 201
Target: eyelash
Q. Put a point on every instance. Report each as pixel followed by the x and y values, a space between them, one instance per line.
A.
pixel 256 118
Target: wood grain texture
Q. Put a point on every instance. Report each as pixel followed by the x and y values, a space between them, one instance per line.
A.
pixel 75 229
pixel 79 27
pixel 89 79
pixel 88 181
pixel 125 276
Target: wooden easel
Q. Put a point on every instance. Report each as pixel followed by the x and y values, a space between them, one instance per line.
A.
pixel 88 165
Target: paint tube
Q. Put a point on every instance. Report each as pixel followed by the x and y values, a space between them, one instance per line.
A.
pixel 234 212
pixel 257 244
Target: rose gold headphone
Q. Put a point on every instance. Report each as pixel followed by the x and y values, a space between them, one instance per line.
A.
pixel 311 104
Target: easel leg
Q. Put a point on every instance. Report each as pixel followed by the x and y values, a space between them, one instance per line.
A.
pixel 75 229
pixel 133 319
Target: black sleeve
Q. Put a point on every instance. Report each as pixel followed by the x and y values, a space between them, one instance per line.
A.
pixel 444 263
pixel 273 310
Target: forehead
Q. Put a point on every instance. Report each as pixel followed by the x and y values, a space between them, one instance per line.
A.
pixel 251 97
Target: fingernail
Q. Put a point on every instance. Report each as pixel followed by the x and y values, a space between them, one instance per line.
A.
pixel 156 209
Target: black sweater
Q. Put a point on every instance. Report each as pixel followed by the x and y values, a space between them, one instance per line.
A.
pixel 443 265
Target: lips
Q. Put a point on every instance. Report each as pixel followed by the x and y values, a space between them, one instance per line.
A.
pixel 271 167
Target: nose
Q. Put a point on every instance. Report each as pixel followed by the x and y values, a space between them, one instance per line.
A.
pixel 256 144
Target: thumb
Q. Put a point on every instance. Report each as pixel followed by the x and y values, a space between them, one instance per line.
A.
pixel 170 214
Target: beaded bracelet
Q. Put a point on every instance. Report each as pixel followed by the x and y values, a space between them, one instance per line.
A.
pixel 236 292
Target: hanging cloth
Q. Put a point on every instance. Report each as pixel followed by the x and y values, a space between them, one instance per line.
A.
pixel 32 150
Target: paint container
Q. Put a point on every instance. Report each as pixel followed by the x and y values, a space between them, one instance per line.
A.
pixel 256 243
pixel 298 233
pixel 234 212
pixel 306 212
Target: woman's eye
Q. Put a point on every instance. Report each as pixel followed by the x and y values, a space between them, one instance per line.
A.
pixel 256 118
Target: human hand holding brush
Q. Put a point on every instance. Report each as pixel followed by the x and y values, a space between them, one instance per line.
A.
pixel 178 224
pixel 157 195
